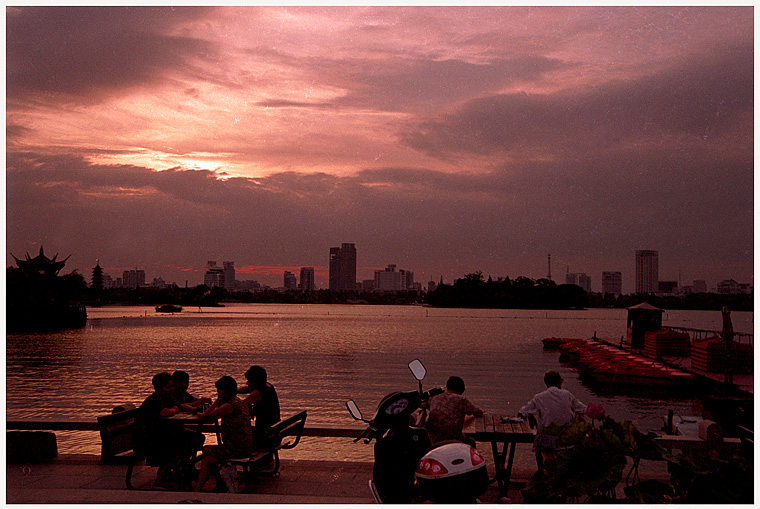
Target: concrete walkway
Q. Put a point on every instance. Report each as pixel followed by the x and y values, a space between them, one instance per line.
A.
pixel 82 479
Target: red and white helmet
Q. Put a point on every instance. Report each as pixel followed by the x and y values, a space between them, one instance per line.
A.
pixel 449 460
pixel 452 472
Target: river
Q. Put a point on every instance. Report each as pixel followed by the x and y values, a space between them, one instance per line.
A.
pixel 318 356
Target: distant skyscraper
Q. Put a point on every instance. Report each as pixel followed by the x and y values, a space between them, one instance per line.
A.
pixel 612 282
pixel 306 283
pixel 699 286
pixel 343 267
pixel 214 276
pixel 389 280
pixel 133 278
pixel 580 279
pixel 229 275
pixel 289 280
pixel 647 275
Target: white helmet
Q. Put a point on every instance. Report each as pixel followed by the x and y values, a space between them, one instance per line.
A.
pixel 448 460
pixel 452 470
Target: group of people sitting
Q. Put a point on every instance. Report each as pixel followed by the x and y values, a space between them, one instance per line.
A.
pixel 446 413
pixel 173 447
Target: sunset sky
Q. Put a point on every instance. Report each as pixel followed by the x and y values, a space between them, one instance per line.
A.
pixel 445 140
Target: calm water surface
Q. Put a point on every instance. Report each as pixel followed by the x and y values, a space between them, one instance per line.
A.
pixel 317 356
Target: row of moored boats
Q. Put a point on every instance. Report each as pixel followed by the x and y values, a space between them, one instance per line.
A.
pixel 608 364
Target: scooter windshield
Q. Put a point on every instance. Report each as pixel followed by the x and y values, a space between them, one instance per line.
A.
pixel 397 406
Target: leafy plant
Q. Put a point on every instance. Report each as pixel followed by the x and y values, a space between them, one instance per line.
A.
pixel 712 481
pixel 590 461
pixel 591 458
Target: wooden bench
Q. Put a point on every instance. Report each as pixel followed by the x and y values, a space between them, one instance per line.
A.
pixel 275 441
pixel 116 432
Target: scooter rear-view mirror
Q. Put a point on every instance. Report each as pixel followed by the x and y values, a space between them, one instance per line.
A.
pixel 353 409
pixel 418 370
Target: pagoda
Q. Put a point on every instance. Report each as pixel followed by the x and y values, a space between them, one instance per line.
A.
pixel 39 299
pixel 41 264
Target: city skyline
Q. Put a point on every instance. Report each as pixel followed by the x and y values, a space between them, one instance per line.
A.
pixel 612 279
pixel 444 140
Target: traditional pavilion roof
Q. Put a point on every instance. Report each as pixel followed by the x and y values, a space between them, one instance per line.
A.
pixel 41 264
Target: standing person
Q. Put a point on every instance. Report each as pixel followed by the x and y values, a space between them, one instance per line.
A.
pixel 553 406
pixel 263 403
pixel 446 412
pixel 235 430
pixel 182 398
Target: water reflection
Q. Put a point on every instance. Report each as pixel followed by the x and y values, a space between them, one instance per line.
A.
pixel 317 357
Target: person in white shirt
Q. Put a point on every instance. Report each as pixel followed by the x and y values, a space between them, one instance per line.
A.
pixel 553 406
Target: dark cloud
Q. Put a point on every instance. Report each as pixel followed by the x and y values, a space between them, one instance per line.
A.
pixel 79 53
pixel 700 99
pixel 429 85
pixel 430 222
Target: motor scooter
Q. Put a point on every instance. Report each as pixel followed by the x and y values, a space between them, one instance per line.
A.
pixel 399 445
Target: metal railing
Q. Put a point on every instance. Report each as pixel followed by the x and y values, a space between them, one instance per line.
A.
pixel 699 334
pixel 82 425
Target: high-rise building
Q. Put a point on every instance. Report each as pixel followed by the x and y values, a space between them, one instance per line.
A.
pixel 699 286
pixel 289 280
pixel 307 279
pixel 390 280
pixel 612 282
pixel 580 279
pixel 343 267
pixel 214 275
pixel 229 275
pixel 133 278
pixel 647 275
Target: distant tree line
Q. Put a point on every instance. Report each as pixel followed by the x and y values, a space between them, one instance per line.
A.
pixel 473 291
pixel 701 301
pixel 470 291
pixel 205 296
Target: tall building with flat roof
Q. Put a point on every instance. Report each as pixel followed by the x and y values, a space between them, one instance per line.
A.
pixel 289 280
pixel 390 280
pixel 306 283
pixel 343 267
pixel 229 275
pixel 612 282
pixel 647 276
pixel 214 276
pixel 133 278
pixel 579 279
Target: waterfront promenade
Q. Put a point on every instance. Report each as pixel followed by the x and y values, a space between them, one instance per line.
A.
pixel 81 478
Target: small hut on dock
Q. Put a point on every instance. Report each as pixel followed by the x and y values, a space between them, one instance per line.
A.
pixel 642 318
